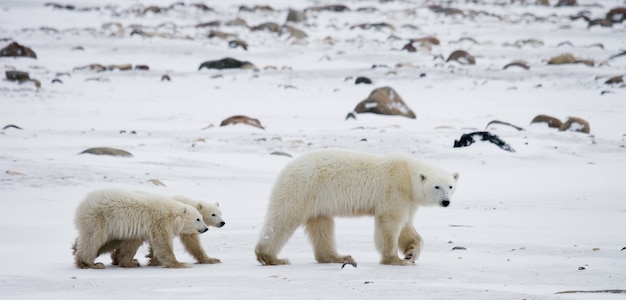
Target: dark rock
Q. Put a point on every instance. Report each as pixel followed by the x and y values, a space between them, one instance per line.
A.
pixel 16 50
pixel 468 139
pixel 226 63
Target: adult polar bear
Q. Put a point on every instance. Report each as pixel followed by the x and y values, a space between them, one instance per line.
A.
pixel 322 184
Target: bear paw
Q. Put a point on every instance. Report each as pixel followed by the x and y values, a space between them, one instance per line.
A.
pixel 132 264
pixel 210 260
pixel 84 265
pixel 177 265
pixel 396 261
pixel 271 261
pixel 411 253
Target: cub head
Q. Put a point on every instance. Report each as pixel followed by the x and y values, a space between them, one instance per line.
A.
pixel 438 188
pixel 193 220
pixel 211 214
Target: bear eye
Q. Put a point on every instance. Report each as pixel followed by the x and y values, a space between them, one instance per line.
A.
pixel 198 219
pixel 213 215
pixel 436 187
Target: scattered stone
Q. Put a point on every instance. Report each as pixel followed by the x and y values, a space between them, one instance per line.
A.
pixel 581 268
pixel 468 139
pixel 255 8
pixel 462 57
pixel 57 80
pixel 19 76
pixel 575 124
pixel 568 58
pixel 268 26
pixel 238 43
pixel 377 26
pixel 332 8
pixel 239 119
pixel 222 35
pixel 616 291
pixel 618 55
pixel 226 63
pixel 616 15
pixel 458 248
pixel 281 153
pixel 216 23
pixel 551 121
pixel 156 182
pixel 166 77
pixel 566 3
pixel 364 80
pixel 122 67
pixel 296 16
pixel 295 32
pixel 16 50
pixel 384 101
pixel 11 126
pixel 14 173
pixel 517 63
pixel 142 67
pixel 107 151
pixel 504 123
pixel 614 80
pixel 92 67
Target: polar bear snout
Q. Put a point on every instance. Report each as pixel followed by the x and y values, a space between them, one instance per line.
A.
pixel 221 224
pixel 445 202
pixel 203 230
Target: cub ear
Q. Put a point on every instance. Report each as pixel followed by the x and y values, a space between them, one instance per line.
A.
pixel 217 204
pixel 422 177
pixel 184 210
pixel 199 208
pixel 455 175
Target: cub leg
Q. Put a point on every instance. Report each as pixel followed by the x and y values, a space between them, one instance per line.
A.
pixel 321 232
pixel 162 246
pixel 410 243
pixel 87 248
pixel 193 246
pixel 124 255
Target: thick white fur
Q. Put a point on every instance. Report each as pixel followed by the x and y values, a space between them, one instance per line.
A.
pixel 106 218
pixel 212 216
pixel 322 184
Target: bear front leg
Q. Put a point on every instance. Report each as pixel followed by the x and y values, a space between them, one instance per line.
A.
pixel 193 246
pixel 387 231
pixel 410 243
pixel 321 232
pixel 163 249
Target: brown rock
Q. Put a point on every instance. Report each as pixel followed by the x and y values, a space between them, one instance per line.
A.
pixel 242 120
pixel 517 63
pixel 385 101
pixel 565 58
pixel 107 151
pixel 462 57
pixel 551 121
pixel 16 50
pixel 575 124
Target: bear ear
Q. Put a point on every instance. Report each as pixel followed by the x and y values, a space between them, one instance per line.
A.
pixel 199 208
pixel 184 210
pixel 422 177
pixel 455 175
pixel 217 204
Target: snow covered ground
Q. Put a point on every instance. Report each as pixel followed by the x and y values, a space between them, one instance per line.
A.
pixel 548 218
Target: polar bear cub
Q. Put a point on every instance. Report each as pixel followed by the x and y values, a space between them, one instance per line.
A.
pixel 112 219
pixel 317 186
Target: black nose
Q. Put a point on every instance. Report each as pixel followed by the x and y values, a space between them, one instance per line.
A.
pixel 445 203
pixel 203 230
pixel 222 224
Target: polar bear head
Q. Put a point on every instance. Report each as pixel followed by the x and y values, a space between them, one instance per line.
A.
pixel 211 214
pixel 193 222
pixel 438 187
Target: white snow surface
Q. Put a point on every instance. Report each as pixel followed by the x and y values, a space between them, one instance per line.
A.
pixel 548 218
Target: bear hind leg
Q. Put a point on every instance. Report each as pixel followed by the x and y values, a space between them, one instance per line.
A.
pixel 87 248
pixel 410 243
pixel 321 232
pixel 124 255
